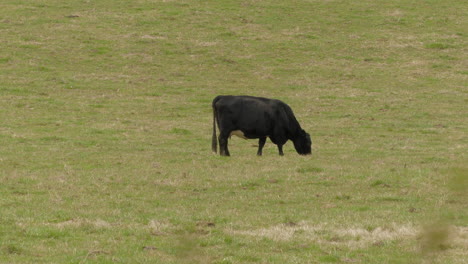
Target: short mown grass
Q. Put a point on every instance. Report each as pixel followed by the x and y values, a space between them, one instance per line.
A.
pixel 105 132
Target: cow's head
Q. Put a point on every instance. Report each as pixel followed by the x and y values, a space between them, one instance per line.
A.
pixel 303 143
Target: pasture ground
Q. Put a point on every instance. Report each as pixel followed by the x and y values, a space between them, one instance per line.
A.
pixel 105 131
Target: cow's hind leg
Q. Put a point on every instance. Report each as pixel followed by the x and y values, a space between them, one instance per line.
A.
pixel 280 149
pixel 223 144
pixel 261 143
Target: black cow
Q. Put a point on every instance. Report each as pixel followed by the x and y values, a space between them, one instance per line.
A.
pixel 256 117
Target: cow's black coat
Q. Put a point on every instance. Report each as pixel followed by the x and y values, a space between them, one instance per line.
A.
pixel 260 118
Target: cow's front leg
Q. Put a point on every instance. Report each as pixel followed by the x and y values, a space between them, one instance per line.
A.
pixel 261 143
pixel 280 149
pixel 223 144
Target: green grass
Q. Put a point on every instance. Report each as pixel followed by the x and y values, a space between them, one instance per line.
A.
pixel 105 132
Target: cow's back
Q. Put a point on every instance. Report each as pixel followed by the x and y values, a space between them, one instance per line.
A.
pixel 245 107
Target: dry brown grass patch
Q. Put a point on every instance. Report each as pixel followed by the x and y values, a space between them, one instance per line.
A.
pixel 352 237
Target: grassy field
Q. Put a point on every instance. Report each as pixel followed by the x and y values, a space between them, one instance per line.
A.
pixel 105 131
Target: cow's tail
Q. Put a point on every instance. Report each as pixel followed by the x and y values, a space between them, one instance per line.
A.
pixel 214 140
